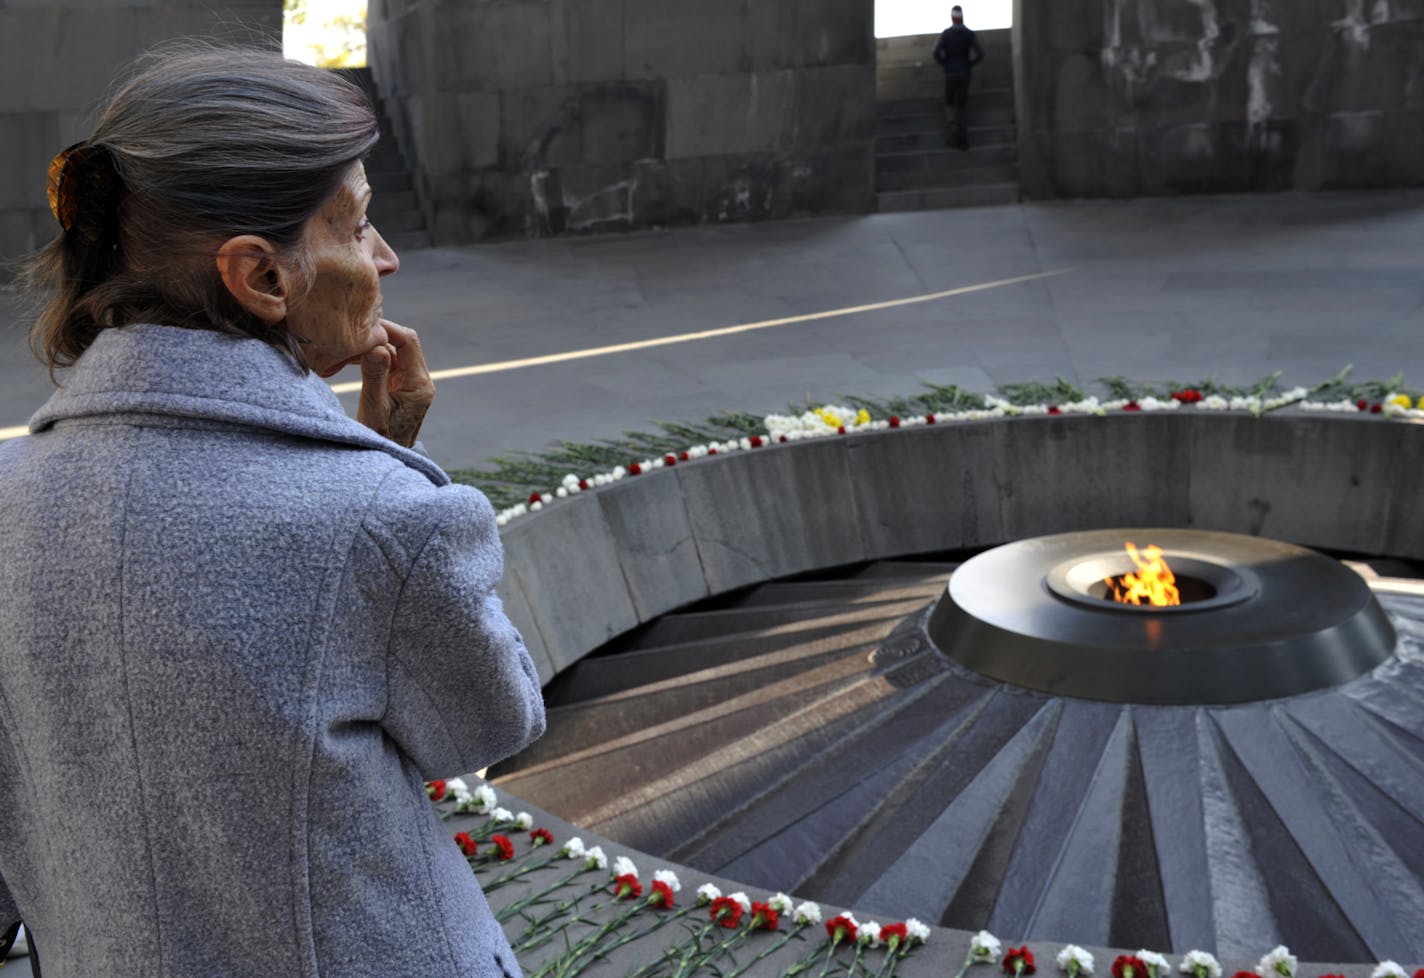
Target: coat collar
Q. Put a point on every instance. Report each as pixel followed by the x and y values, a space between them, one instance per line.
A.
pixel 193 373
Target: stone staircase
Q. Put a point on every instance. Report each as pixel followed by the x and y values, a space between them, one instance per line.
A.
pixel 914 169
pixel 395 210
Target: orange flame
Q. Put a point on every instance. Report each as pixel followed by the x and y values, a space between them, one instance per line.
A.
pixel 1153 583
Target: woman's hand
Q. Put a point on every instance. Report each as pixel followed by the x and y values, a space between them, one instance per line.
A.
pixel 396 389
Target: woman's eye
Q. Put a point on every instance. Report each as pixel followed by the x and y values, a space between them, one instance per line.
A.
pixel 361 228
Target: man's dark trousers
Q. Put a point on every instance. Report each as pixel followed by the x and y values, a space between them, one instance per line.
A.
pixel 956 99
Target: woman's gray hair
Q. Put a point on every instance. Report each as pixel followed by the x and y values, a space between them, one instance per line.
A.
pixel 200 144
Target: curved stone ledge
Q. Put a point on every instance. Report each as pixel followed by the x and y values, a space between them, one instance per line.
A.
pixel 593 566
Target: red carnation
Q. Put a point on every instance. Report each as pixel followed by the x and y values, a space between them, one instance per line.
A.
pixel 841 928
pixel 435 789
pixel 840 430
pixel 661 895
pixel 894 421
pixel 929 419
pixel 635 469
pixel 1245 974
pixel 1055 409
pixel 541 837
pixel 726 911
pixel 583 484
pixel 711 451
pixel 506 848
pixel 466 844
pixel 764 917
pixel 669 459
pixel 1187 395
pixel 1375 408
pixel 684 457
pixel 893 935
pixel 1129 966
pixel 756 441
pixel 534 497
pixel 1362 404
pixel 1019 961
pixel 1132 406
pixel 1419 973
pixel 1342 976
pixel 627 887
pixel 784 439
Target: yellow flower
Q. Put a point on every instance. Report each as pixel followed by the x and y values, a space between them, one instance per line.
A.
pixel 1420 403
pixel 1401 401
pixel 862 416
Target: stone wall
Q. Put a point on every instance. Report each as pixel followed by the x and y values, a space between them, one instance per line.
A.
pixel 58 58
pixel 531 117
pixel 1131 97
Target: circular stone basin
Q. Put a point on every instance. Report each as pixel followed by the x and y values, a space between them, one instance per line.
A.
pixel 1260 620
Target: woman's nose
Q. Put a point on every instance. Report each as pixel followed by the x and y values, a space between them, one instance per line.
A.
pixel 386 261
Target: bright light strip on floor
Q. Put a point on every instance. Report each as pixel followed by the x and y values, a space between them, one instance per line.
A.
pixel 350 387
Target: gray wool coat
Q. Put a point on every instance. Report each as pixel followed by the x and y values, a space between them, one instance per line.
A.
pixel 238 630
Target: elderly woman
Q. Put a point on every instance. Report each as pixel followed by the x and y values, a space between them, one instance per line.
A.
pixel 239 629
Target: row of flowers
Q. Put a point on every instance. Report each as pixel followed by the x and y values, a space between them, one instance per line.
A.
pixel 831 420
pixel 595 908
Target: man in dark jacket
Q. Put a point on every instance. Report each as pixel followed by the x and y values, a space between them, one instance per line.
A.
pixel 957 52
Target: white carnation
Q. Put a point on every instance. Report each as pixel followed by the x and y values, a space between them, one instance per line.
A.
pixel 484 799
pixel 708 892
pixel 574 848
pixel 502 815
pixel 808 913
pixel 1157 965
pixel 596 858
pixel 985 947
pixel 1278 961
pixel 1076 961
pixel 524 820
pixel 781 903
pixel 670 878
pixel 1200 963
pixel 869 934
pixel 916 930
pixel 743 901
pixel 1388 969
pixel 623 866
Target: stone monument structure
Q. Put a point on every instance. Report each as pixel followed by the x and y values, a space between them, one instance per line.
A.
pixel 535 117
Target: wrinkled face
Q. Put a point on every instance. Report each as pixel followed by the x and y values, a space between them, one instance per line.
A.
pixel 338 319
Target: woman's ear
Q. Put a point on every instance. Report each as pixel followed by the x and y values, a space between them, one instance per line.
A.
pixel 249 269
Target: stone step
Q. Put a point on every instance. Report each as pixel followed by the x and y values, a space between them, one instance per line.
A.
pixel 647 668
pixel 932 138
pixel 984 195
pixel 931 114
pixel 946 177
pixel 931 100
pixel 931 76
pixel 578 785
pixel 915 569
pixel 668 812
pixel 723 623
pixel 840 591
pixel 390 181
pixel 946 160
pixel 393 220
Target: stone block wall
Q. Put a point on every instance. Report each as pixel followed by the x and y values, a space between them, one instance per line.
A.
pixel 1133 97
pixel 57 60
pixel 532 117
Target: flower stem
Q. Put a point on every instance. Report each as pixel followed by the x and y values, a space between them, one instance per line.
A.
pixel 518 905
pixel 830 950
pixel 767 952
